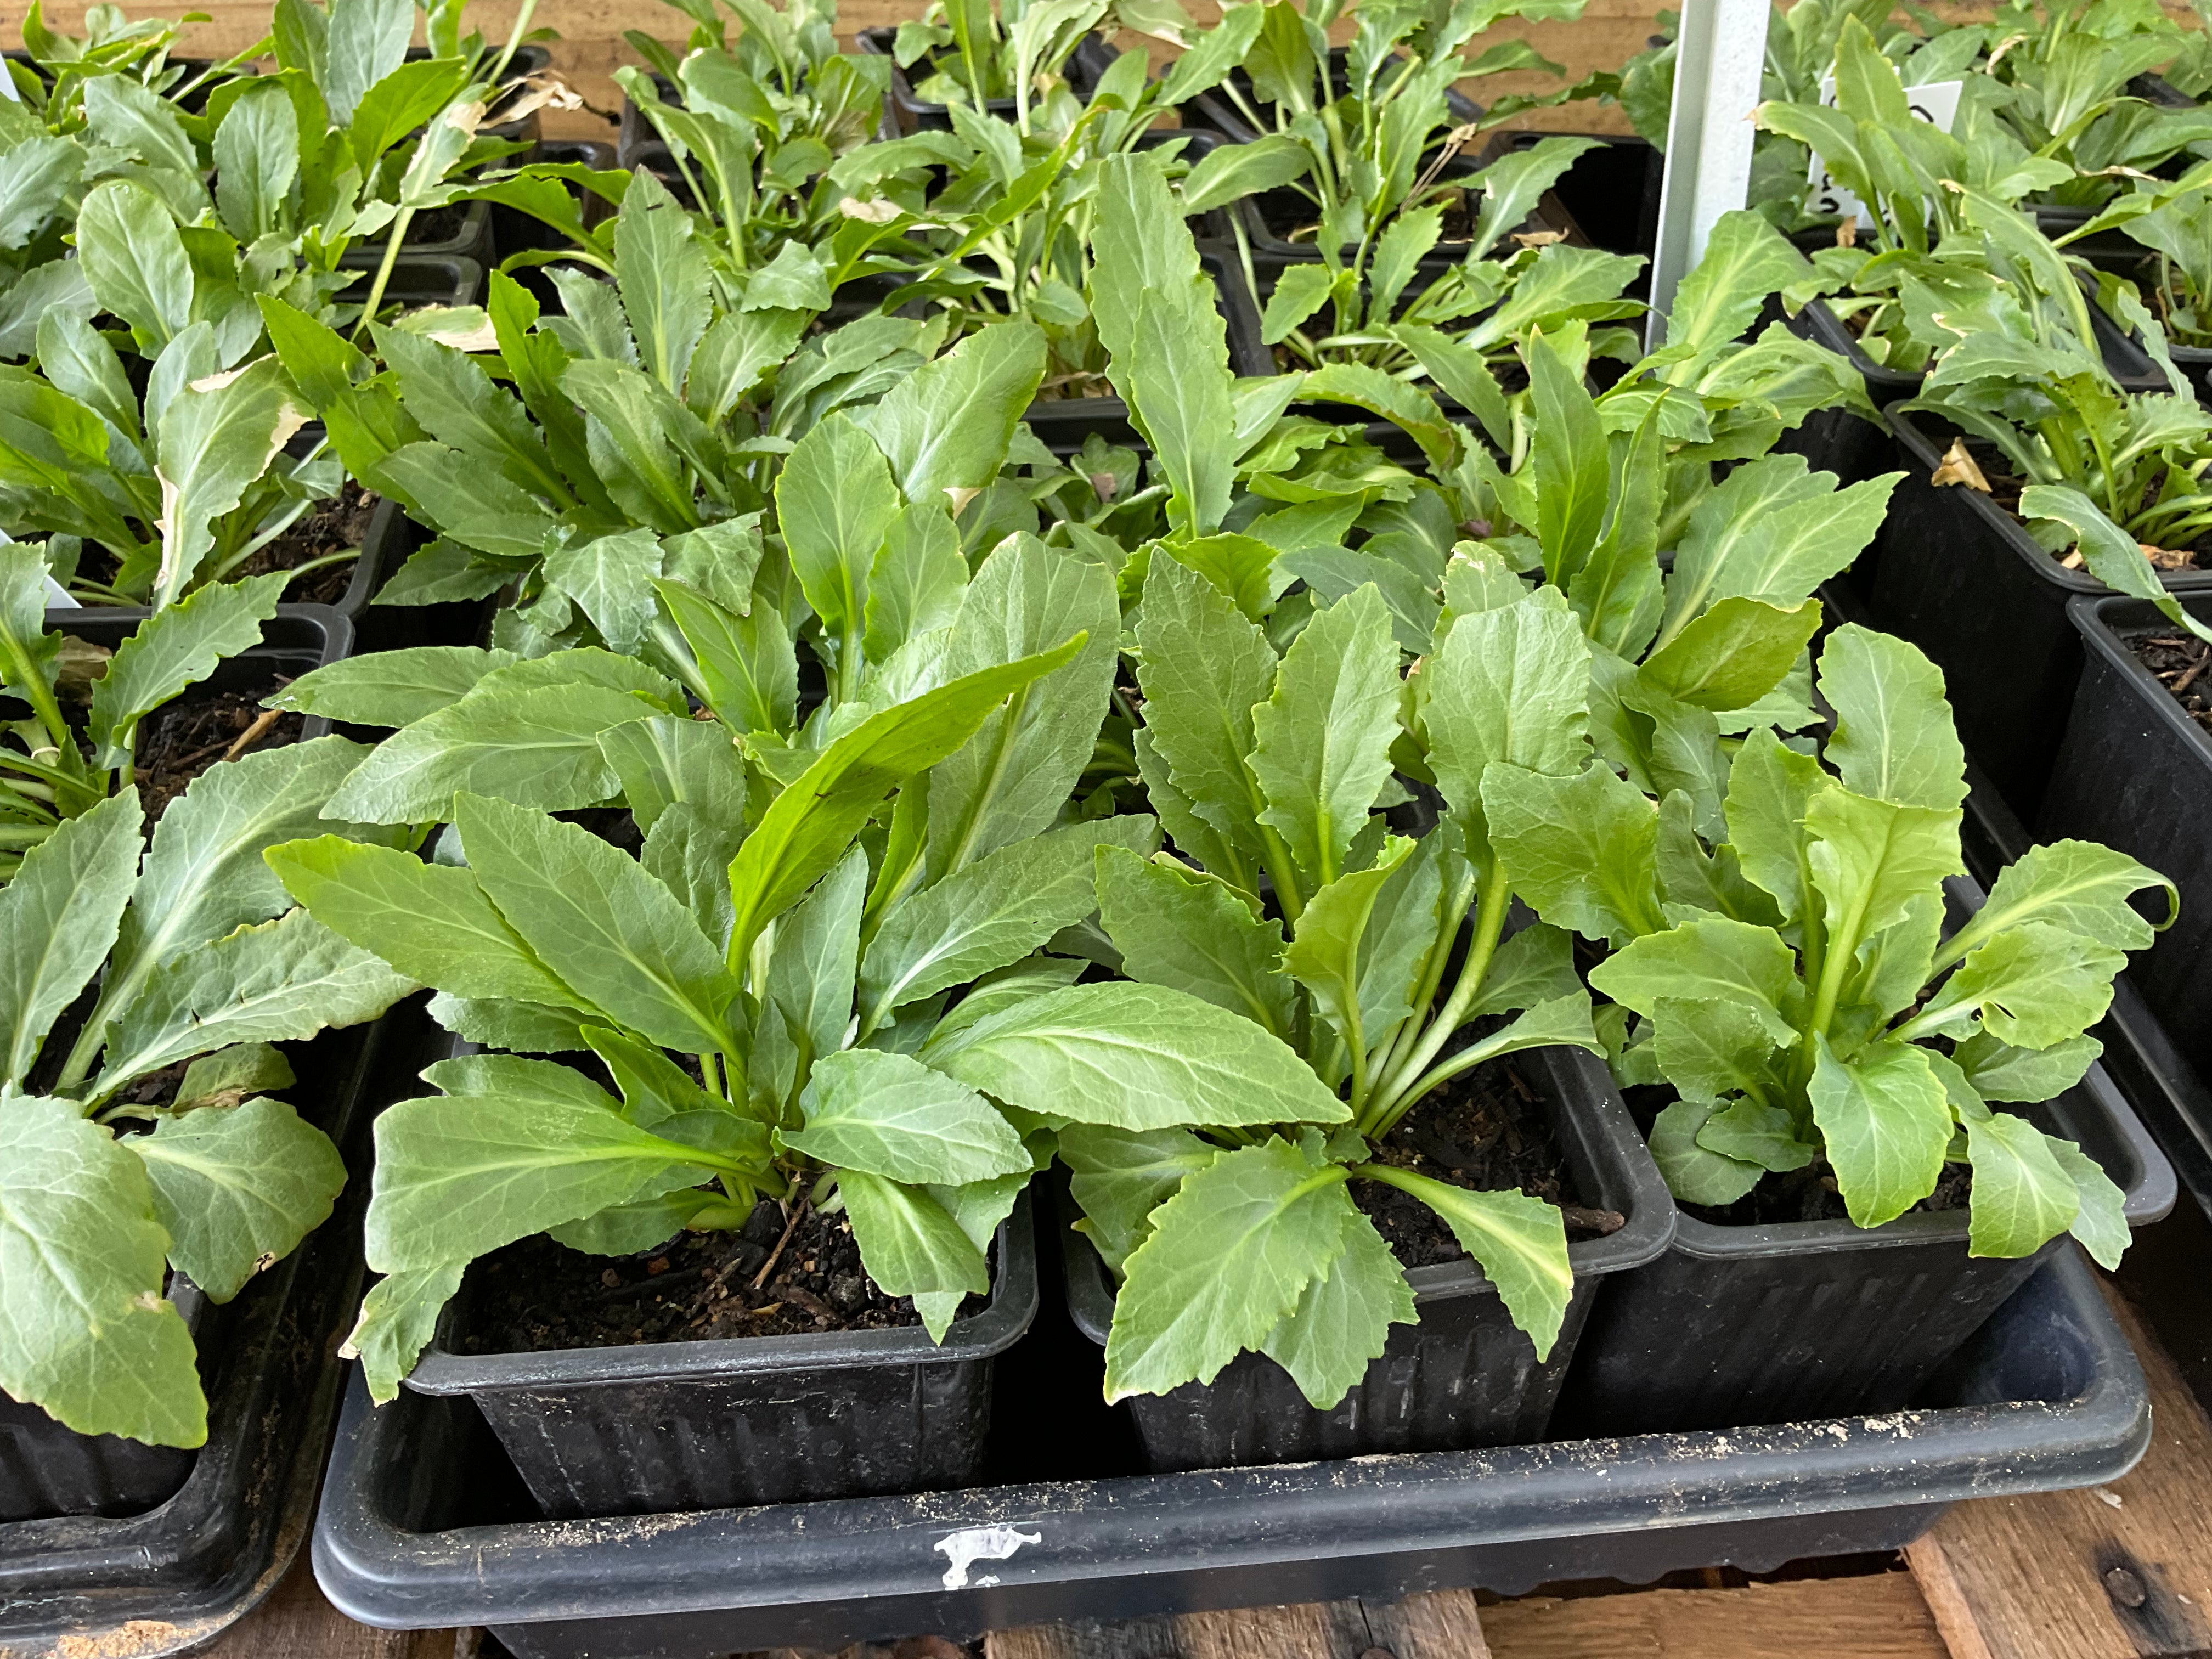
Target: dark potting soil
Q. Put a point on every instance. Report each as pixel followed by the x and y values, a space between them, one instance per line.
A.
pixel 1486 1131
pixel 2179 664
pixel 537 1295
pixel 181 739
pixel 338 525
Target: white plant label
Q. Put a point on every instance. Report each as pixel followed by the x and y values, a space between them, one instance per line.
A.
pixel 1936 103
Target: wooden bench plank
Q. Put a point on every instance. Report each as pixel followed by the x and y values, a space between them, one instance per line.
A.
pixel 1880 1616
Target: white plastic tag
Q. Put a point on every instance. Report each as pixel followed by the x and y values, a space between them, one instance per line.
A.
pixel 1936 103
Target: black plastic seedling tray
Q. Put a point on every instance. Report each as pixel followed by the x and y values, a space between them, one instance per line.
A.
pixel 423 1525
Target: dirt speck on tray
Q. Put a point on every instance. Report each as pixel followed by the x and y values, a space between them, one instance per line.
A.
pixel 1485 1130
pixel 537 1295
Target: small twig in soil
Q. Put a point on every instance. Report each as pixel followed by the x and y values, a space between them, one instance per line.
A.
pixel 2204 660
pixel 1599 1222
pixel 775 1256
pixel 252 734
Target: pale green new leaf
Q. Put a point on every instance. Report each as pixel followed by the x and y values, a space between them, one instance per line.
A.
pixel 889 1115
pixel 1886 1122
pixel 1342 1321
pixel 238 1188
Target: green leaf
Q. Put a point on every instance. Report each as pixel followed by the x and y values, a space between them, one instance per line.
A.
pixel 1325 951
pixel 594 917
pixel 1772 531
pixel 390 688
pixel 663 275
pixel 2035 986
pixel 1534 964
pixel 889 1115
pixel 58 916
pixel 1582 851
pixel 1693 1172
pixel 808 826
pixel 1733 654
pixel 454 397
pixel 1118 1178
pixel 135 261
pixel 664 760
pixel 1893 739
pixel 1013 778
pixel 513 1147
pixel 1509 685
pixel 279 981
pixel 1224 175
pixel 990 913
pixel 835 501
pixel 1753 1133
pixel 1570 458
pixel 1341 1324
pixel 2114 557
pixel 627 1229
pixel 539 747
pixel 398 1317
pixel 238 1188
pixel 1190 933
pixel 84 1331
pixel 2077 886
pixel 746 666
pixel 433 922
pixel 1876 865
pixel 1204 668
pixel 210 442
pixel 917 579
pixel 1155 311
pixel 1710 1047
pixel 2101 1224
pixel 2023 1196
pixel 1746 259
pixel 1230 1257
pixel 1322 749
pixel 1999 1071
pixel 1886 1123
pixel 1711 959
pixel 1520 1241
pixel 174 649
pixel 228 1077
pixel 910 1244
pixel 945 426
pixel 1770 787
pixel 1136 1057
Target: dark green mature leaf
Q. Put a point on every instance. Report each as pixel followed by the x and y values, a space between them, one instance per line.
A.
pixel 945 426
pixel 2113 556
pixel 238 1188
pixel 1581 850
pixel 135 261
pixel 1135 1057
pixel 604 926
pixel 391 687
pixel 84 1331
pixel 1194 934
pixel 807 828
pixel 1732 655
pixel 990 913
pixel 910 1243
pixel 1341 1324
pixel 513 1147
pixel 432 922
pixel 1230 1257
pixel 1521 1242
pixel 398 1317
pixel 664 278
pixel 835 502
pixel 1694 1173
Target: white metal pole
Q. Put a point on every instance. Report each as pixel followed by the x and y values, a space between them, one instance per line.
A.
pixel 1719 53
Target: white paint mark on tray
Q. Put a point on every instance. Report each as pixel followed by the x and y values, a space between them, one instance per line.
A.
pixel 963 1549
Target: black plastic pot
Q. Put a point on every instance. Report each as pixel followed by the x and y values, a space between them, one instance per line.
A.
pixel 420 1527
pixel 771 1420
pixel 417 279
pixel 472 239
pixel 1465 1376
pixel 1738 1326
pixel 1958 576
pixel 46 1469
pixel 2134 772
pixel 1611 192
pixel 903 112
pixel 203 1553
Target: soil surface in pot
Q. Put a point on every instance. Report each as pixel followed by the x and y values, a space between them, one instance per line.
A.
pixel 2004 490
pixel 181 739
pixel 1806 1194
pixel 537 1295
pixel 2179 665
pixel 335 526
pixel 1486 1130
